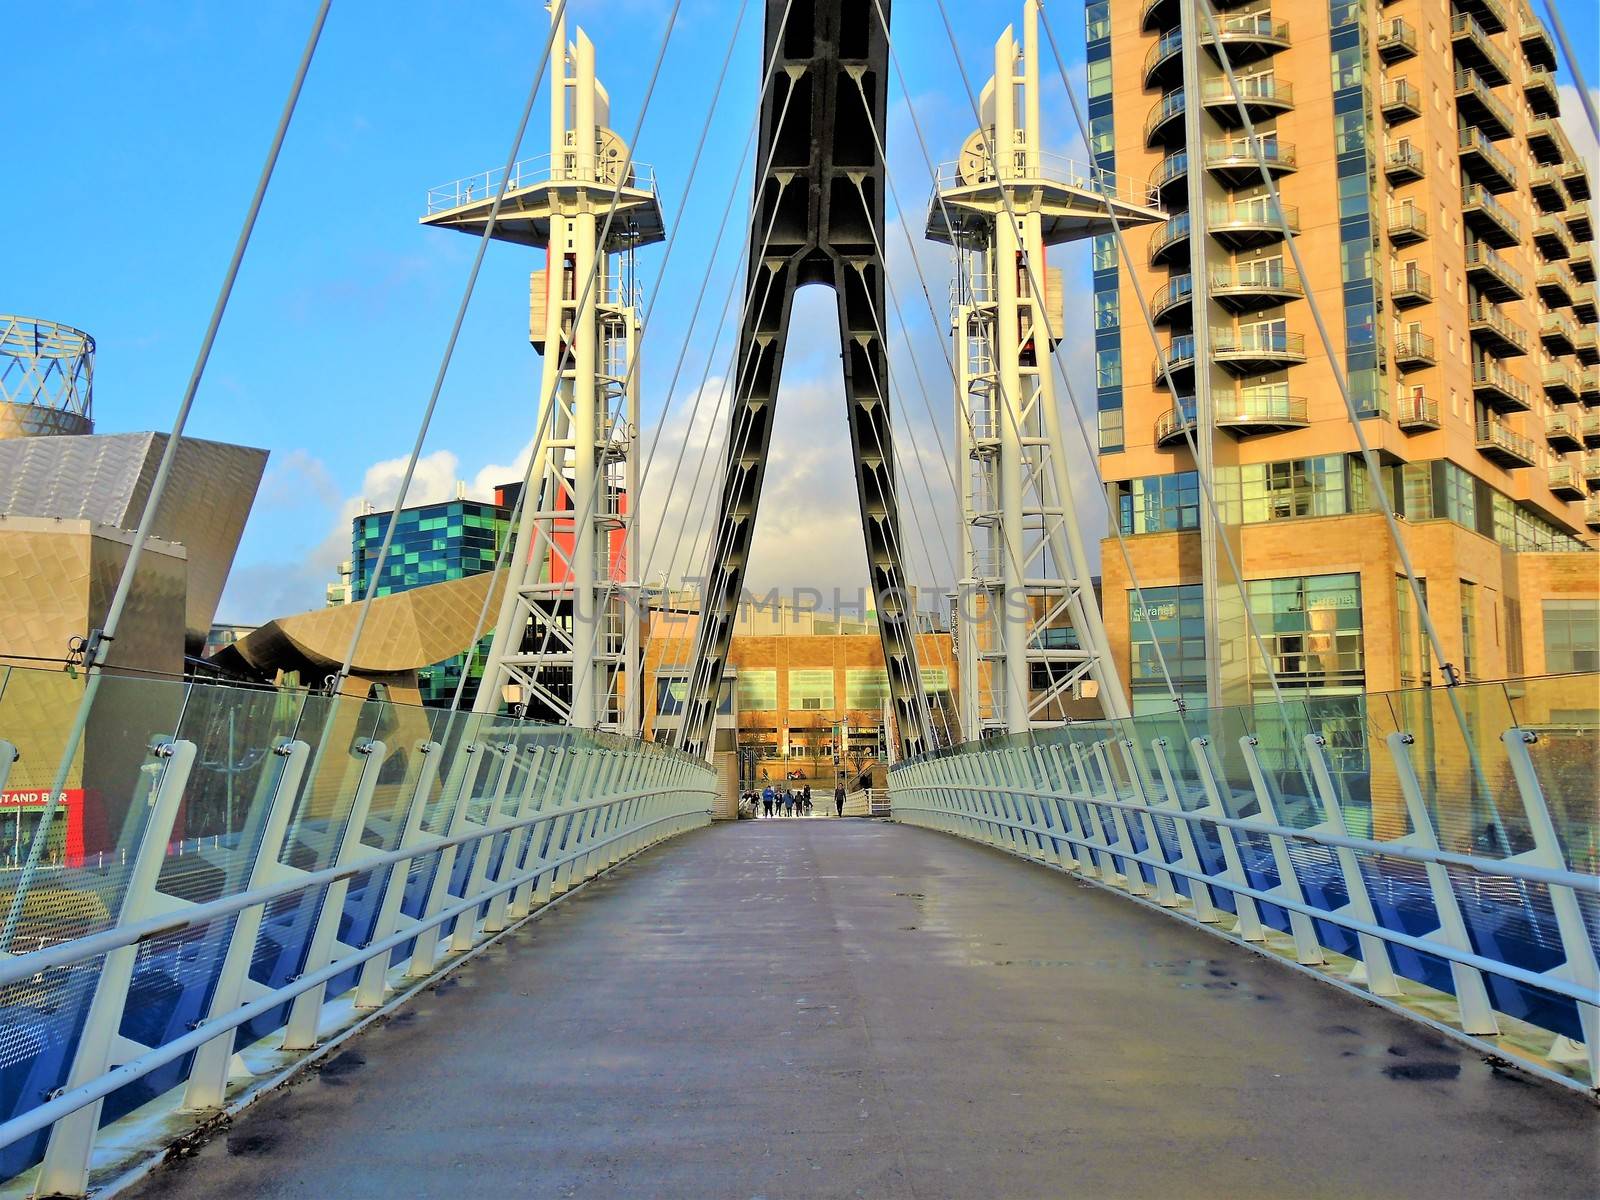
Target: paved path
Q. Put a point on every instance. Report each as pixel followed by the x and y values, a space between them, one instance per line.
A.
pixel 845 1008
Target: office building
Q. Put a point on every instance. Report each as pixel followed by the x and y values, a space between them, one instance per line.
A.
pixel 1444 223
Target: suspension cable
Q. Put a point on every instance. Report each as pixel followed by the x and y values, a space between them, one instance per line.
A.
pixel 376 577
pixel 100 639
pixel 1577 74
pixel 1113 521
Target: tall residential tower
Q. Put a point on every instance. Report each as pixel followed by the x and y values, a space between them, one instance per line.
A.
pixel 1444 222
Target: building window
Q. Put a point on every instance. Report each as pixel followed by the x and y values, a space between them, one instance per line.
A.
pixel 935 680
pixel 1469 630
pixel 811 688
pixel 1571 636
pixel 1174 619
pixel 1406 627
pixel 1160 503
pixel 1312 628
pixel 1515 665
pixel 757 690
pixel 866 687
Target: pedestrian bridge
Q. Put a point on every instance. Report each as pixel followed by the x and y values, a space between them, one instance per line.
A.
pixel 1387 912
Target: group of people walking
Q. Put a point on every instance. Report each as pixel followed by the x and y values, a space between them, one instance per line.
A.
pixel 786 801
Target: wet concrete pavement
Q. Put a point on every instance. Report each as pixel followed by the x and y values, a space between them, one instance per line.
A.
pixel 847 1008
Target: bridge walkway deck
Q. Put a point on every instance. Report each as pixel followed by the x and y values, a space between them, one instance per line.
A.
pixel 846 1008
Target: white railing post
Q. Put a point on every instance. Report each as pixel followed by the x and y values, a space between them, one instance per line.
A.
pixel 1094 819
pixel 1166 894
pixel 1307 949
pixel 465 930
pixel 550 830
pixel 373 983
pixel 1132 874
pixel 65 1169
pixel 1472 996
pixel 1247 923
pixel 1580 967
pixel 515 843
pixel 1078 839
pixel 1205 910
pixel 1374 970
pixel 300 1033
pixel 208 1075
pixel 464 773
pixel 571 835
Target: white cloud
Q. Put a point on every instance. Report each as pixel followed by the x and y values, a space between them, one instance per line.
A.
pixel 1576 123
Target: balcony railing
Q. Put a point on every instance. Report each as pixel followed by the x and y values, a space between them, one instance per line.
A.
pixel 1396 40
pixel 1236 155
pixel 1557 333
pixel 1263 95
pixel 1559 381
pixel 1413 349
pixel 1493 275
pixel 1178 355
pixel 1172 424
pixel 1540 89
pixel 1488 217
pixel 1168 48
pixel 543 168
pixel 1549 188
pixel 1407 224
pixel 1480 159
pixel 1537 45
pixel 1417 414
pixel 1167 109
pixel 1497 387
pixel 1246 413
pixel 1550 235
pixel 1562 431
pixel 1175 293
pixel 1473 46
pixel 1556 285
pixel 1410 286
pixel 1402 162
pixel 1401 101
pixel 1474 95
pixel 1500 444
pixel 1254 346
pixel 1565 481
pixel 1168 235
pixel 1589 429
pixel 1580 223
pixel 1245 222
pixel 1489 324
pixel 1251 285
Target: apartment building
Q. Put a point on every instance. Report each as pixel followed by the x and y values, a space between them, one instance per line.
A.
pixel 1445 226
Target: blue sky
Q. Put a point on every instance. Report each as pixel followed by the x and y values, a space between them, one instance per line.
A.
pixel 131 172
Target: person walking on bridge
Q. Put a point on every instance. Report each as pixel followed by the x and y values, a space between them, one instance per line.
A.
pixel 838 799
pixel 767 798
pixel 805 801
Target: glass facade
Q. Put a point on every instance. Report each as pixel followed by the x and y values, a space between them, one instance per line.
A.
pixel 1174 619
pixel 1571 635
pixel 1107 308
pixel 432 543
pixel 1358 239
pixel 1311 625
pixel 757 689
pixel 811 688
pixel 1159 503
pixel 865 687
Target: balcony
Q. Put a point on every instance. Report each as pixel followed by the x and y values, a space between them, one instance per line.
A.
pixel 1576 178
pixel 1407 224
pixel 1175 422
pixel 1491 274
pixel 1556 286
pixel 1566 482
pixel 1557 334
pixel 1549 189
pixel 1163 58
pixel 1547 141
pixel 1474 49
pixel 1402 163
pixel 1247 37
pixel 1500 445
pixel 1550 235
pixel 1171 177
pixel 1165 121
pixel 1157 14
pixel 1583 304
pixel 1562 432
pixel 1171 241
pixel 1248 287
pixel 1539 89
pixel 1582 267
pixel 1264 97
pixel 1254 348
pixel 1591 514
pixel 1591 471
pixel 1244 414
pixel 1580 223
pixel 1173 296
pixel 1537 46
pixel 1589 429
pixel 1560 383
pixel 1397 40
pixel 1490 328
pixel 1401 102
pixel 1413 350
pixel 1247 223
pixel 1480 161
pixel 1409 286
pixel 1589 393
pixel 1177 357
pixel 1238 161
pixel 1586 347
pixel 1479 106
pixel 1491 15
pixel 1488 218
pixel 1497 387
pixel 1417 414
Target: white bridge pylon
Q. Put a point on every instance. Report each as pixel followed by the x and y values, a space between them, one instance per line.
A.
pixel 566 642
pixel 1029 629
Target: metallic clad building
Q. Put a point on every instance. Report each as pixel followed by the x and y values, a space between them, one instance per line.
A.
pixel 105 479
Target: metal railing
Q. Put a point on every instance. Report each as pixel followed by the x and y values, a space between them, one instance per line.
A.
pixel 1052 168
pixel 1438 865
pixel 254 870
pixel 542 168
